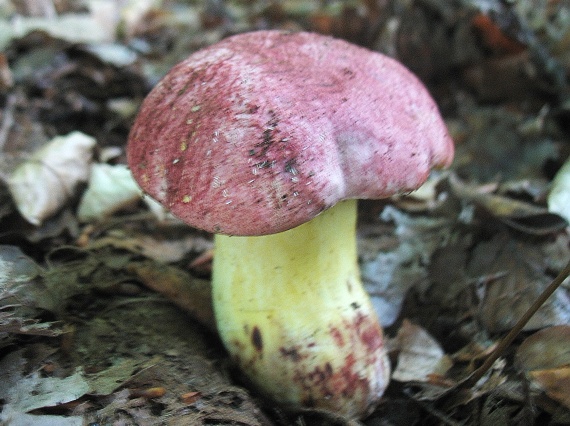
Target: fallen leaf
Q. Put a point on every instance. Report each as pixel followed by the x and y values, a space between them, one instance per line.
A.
pixel 42 185
pixel 495 148
pixel 555 382
pixel 420 356
pixel 23 392
pixel 97 24
pixel 545 349
pixel 545 356
pixel 559 197
pixel 497 411
pixel 494 36
pixel 520 275
pixel 425 198
pixel 23 297
pixel 106 381
pixel 523 216
pixel 389 272
pixel 112 53
pixel 109 189
pixel 16 268
pixel 148 393
pixel 16 418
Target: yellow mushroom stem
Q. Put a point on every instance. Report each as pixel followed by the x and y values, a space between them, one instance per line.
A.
pixel 294 316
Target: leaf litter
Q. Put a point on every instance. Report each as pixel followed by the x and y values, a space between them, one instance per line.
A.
pixel 104 303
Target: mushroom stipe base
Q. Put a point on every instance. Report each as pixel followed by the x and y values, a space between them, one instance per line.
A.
pixel 292 312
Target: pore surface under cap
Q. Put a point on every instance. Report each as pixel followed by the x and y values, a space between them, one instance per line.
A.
pixel 264 130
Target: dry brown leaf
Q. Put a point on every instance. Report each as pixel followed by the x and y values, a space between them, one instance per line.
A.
pixel 545 349
pixel 555 382
pixel 545 355
pixel 519 271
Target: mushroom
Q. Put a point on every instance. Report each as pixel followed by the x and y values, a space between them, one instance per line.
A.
pixel 267 139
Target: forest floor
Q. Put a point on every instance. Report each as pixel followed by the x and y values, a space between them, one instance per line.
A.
pixel 105 312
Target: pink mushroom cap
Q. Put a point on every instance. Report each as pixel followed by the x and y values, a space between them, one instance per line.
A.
pixel 262 131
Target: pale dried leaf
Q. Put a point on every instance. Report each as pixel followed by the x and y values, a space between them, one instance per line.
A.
pixel 98 24
pixel 108 380
pixel 419 355
pixel 559 197
pixel 112 53
pixel 42 185
pixel 110 188
pixel 158 210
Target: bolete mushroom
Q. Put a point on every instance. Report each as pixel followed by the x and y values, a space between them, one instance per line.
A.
pixel 269 137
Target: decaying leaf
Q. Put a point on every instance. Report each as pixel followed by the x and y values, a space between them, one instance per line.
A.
pixel 24 393
pixel 447 276
pixel 84 272
pixel 547 348
pixel 27 392
pixel 495 148
pixel 521 277
pixel 110 379
pixel 425 198
pixel 419 355
pixel 555 382
pixel 16 268
pixel 389 272
pixel 545 356
pixel 523 216
pixel 42 185
pixel 18 418
pixel 22 297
